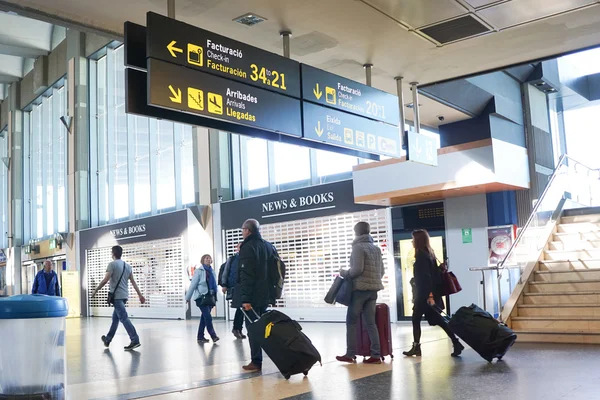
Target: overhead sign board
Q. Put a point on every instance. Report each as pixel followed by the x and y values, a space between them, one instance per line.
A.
pixel 184 89
pixel 334 91
pixel 421 149
pixel 347 130
pixel 183 44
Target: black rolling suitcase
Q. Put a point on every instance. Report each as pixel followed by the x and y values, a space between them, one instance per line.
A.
pixel 284 342
pixel 488 337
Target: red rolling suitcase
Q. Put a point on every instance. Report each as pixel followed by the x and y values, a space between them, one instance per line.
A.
pixel 384 326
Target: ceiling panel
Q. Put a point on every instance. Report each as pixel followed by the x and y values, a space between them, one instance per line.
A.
pixel 419 13
pixel 483 3
pixel 517 12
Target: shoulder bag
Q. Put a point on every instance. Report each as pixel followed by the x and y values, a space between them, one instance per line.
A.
pixel 111 295
pixel 209 298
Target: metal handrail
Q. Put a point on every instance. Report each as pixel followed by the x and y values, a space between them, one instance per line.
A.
pixel 501 263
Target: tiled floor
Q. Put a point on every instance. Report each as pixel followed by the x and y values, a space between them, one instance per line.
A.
pixel 171 365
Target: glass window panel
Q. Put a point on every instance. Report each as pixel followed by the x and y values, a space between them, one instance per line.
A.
pixel 60 144
pixel 292 163
pixel 47 162
pixel 37 172
pixel 102 126
pixel 165 166
pixel 330 163
pixel 255 164
pixel 186 164
pixel 141 165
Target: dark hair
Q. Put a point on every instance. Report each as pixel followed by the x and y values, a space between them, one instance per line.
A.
pixel 252 225
pixel 203 258
pixel 362 228
pixel 117 252
pixel 421 242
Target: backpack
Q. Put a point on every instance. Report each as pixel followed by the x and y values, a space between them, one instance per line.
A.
pixel 276 273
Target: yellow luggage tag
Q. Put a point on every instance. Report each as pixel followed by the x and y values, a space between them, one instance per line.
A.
pixel 268 329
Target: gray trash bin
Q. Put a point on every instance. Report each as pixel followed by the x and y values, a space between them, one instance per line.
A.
pixel 32 348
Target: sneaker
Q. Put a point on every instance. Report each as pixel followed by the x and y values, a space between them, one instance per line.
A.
pixel 346 359
pixel 252 367
pixel 203 340
pixel 105 341
pixel 132 346
pixel 215 339
pixel 372 360
pixel 237 334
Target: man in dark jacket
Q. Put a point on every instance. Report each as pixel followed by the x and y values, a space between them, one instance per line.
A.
pixel 366 271
pixel 46 281
pixel 255 254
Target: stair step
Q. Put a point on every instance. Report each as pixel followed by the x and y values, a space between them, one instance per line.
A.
pixel 559 237
pixel 574 245
pixel 580 218
pixel 557 337
pixel 573 264
pixel 565 324
pixel 564 286
pixel 578 227
pixel 571 255
pixel 566 276
pixel 559 310
pixel 587 297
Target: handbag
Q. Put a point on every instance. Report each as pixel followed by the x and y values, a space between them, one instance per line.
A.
pixel 450 284
pixel 333 290
pixel 209 298
pixel 344 294
pixel 111 296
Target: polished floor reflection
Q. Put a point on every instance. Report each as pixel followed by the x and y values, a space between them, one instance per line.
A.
pixel 171 365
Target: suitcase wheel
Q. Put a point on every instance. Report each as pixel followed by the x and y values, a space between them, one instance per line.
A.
pixel 287 377
pixel 305 373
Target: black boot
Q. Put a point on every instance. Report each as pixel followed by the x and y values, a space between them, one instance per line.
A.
pixel 458 348
pixel 414 351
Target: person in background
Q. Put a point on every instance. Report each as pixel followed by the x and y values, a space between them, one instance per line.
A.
pixel 253 277
pixel 202 283
pixel 46 281
pixel 427 294
pixel 228 280
pixel 119 273
pixel 366 272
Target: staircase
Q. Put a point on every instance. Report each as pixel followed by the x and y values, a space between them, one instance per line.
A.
pixel 561 301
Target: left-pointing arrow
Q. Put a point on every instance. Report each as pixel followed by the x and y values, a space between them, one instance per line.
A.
pixel 176 98
pixel 172 49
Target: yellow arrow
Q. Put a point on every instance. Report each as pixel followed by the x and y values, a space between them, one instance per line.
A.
pixel 176 98
pixel 318 93
pixel 172 49
pixel 318 129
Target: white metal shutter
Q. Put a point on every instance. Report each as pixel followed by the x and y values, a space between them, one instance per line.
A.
pixel 314 250
pixel 158 270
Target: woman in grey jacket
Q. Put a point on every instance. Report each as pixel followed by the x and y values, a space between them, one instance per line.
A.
pixel 203 282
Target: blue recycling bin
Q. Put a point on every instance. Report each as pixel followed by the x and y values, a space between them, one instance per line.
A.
pixel 32 347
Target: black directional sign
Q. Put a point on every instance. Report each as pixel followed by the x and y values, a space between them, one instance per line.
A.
pixel 183 44
pixel 184 89
pixel 343 129
pixel 331 90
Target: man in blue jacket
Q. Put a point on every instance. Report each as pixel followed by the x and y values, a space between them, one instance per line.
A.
pixel 46 281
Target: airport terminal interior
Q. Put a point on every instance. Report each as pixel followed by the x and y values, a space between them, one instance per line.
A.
pixel 177 130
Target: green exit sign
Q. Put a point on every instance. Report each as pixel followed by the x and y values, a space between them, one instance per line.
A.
pixel 28 249
pixel 52 244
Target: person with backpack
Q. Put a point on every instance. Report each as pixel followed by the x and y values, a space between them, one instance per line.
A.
pixel 228 280
pixel 427 294
pixel 255 282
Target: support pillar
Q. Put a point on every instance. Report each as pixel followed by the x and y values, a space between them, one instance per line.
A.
pixel 171 9
pixel 285 35
pixel 15 191
pixel 415 96
pixel 201 145
pixel 368 70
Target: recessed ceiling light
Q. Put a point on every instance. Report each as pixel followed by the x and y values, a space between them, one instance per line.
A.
pixel 411 105
pixel 538 84
pixel 551 90
pixel 249 19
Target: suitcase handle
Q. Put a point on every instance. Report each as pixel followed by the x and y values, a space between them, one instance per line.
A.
pixel 247 317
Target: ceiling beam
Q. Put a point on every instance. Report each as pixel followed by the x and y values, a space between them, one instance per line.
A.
pixel 21 51
pixel 8 78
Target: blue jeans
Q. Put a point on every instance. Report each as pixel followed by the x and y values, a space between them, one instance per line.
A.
pixel 255 349
pixel 206 323
pixel 363 301
pixel 120 315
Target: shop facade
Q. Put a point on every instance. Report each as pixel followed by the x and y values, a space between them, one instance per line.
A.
pixel 162 251
pixel 312 229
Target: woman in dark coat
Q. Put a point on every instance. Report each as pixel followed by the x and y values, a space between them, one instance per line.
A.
pixel 427 294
